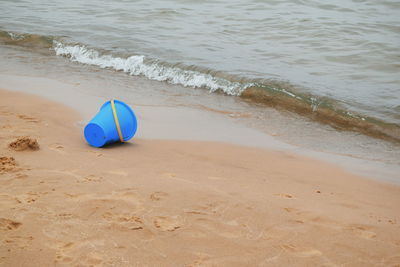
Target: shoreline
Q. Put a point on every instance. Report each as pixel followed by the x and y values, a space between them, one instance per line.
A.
pixel 192 124
pixel 195 114
pixel 218 204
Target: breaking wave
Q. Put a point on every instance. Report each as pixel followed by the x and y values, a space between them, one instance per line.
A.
pixel 140 65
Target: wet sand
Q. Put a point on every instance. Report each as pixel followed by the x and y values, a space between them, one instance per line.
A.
pixel 178 203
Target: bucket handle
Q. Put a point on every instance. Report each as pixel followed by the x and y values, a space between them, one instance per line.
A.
pixel 121 138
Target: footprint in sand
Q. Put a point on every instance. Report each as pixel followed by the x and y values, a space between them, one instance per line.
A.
pixel 362 231
pixel 29 197
pixel 81 253
pixel 169 175
pixel 309 217
pixel 212 208
pixel 203 260
pixel 7 126
pixel 124 221
pixel 7 164
pixel 21 176
pixel 301 251
pixel 92 259
pixel 5 112
pixel 8 225
pixel 380 219
pixel 288 196
pixel 63 258
pixel 169 224
pixel 288 209
pixel 77 197
pixel 97 154
pixel 156 196
pixel 28 118
pixel 296 220
pixel 21 242
pixel 65 216
pixel 90 178
pixel 57 148
pixel 8 201
pixel 127 194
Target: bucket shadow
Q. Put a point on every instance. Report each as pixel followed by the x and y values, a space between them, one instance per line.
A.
pixel 124 145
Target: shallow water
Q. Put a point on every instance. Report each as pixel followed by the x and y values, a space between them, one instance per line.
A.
pixel 346 50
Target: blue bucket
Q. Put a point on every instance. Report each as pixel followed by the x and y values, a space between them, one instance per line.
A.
pixel 102 129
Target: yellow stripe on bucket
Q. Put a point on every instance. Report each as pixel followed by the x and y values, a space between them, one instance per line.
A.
pixel 121 138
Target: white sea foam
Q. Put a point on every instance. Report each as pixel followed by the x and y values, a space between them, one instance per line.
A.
pixel 136 65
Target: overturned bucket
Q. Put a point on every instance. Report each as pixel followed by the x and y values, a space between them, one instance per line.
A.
pixel 115 122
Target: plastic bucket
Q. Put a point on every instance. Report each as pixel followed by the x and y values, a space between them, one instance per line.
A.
pixel 102 129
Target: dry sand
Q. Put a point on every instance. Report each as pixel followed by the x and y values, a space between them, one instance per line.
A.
pixel 178 203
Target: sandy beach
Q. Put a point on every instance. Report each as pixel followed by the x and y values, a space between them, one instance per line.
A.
pixel 178 203
pixel 268 133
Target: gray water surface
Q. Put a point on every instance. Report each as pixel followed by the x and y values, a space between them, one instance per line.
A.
pixel 345 50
